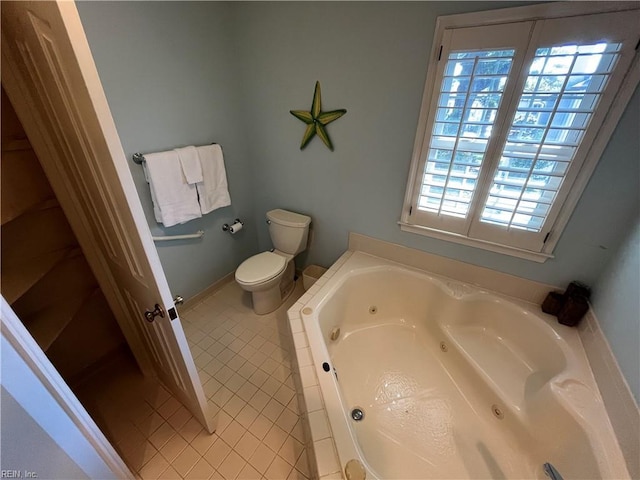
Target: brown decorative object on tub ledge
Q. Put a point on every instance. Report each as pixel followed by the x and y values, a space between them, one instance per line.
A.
pixel 569 306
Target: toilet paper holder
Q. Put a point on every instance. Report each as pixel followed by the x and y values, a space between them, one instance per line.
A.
pixel 229 228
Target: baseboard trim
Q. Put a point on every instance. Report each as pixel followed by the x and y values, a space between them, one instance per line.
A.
pixel 214 287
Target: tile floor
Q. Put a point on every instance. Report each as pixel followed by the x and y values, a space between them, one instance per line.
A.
pixel 243 362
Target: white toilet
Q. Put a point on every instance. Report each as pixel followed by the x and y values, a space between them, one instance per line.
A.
pixel 269 275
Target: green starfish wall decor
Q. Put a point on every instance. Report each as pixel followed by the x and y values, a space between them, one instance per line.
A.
pixel 316 120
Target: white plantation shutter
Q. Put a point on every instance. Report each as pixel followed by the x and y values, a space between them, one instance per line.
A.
pixel 473 81
pixel 470 94
pixel 560 95
pixel 514 111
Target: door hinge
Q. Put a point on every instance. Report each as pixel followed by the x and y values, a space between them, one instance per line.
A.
pixel 440 53
pixel 410 209
pixel 546 237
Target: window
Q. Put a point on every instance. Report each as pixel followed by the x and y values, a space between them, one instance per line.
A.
pixel 515 116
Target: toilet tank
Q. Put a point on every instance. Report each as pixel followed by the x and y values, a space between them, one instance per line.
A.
pixel 289 231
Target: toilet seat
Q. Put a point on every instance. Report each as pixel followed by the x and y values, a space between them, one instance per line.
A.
pixel 260 268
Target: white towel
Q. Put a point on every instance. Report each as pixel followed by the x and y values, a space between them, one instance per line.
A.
pixel 190 164
pixel 174 200
pixel 213 190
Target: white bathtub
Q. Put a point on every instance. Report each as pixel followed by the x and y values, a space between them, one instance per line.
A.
pixel 454 382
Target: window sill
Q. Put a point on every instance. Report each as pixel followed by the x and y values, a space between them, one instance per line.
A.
pixel 472 242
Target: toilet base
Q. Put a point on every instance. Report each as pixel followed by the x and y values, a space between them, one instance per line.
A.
pixel 267 301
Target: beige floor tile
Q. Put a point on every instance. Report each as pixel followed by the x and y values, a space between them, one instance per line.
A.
pixel 203 441
pixel 246 416
pixel 169 407
pixel 200 471
pixel 223 419
pixel 234 405
pixel 179 418
pixel 271 386
pixel 262 458
pixel 223 374
pixel 162 435
pixel 275 438
pixel 296 475
pixel 249 473
pixel 297 432
pixel 284 395
pixel 258 377
pixel 170 474
pixel 154 468
pixel 186 460
pixel 259 400
pixel 247 390
pixel 232 433
pixel 231 466
pixel 173 447
pixel 302 464
pixel 236 362
pixel 273 410
pixel 247 369
pixel 243 363
pixel 150 424
pixel 235 382
pixel 211 387
pixel 291 450
pixel 222 394
pixel 247 445
pixel 260 426
pixel 217 453
pixel 278 469
pixel 190 430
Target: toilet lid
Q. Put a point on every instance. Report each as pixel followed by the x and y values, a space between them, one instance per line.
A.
pixel 260 268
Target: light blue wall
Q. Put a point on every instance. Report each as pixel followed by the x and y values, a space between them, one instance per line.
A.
pixel 181 73
pixel 371 58
pixel 169 73
pixel 617 305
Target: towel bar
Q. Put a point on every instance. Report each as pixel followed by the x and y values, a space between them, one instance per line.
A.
pixel 198 234
pixel 139 157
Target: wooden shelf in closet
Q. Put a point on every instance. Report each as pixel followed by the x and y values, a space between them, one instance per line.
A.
pixel 51 305
pixel 18 279
pixel 92 334
pixel 23 185
pixel 32 245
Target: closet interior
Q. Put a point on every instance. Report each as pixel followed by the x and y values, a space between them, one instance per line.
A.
pixel 44 274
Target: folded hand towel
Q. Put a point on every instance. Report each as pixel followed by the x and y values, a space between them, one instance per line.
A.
pixel 213 190
pixel 190 164
pixel 174 200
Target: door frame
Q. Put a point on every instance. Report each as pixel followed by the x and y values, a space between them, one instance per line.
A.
pixel 48 148
pixel 30 378
pixel 69 201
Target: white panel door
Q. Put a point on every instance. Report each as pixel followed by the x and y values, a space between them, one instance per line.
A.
pixel 50 76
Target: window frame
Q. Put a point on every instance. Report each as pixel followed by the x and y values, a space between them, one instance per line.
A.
pixel 567 203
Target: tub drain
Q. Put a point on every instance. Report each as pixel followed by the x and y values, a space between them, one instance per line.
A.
pixel 373 309
pixel 357 414
pixel 443 347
